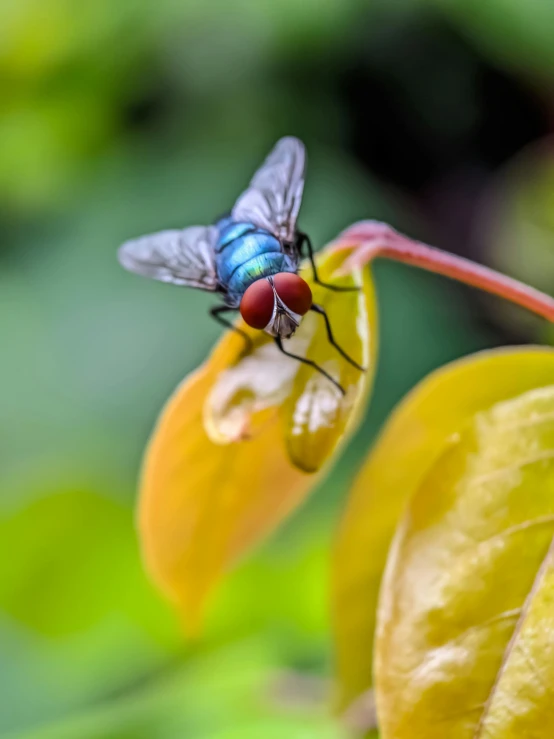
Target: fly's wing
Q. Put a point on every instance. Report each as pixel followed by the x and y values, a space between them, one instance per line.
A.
pixel 273 199
pixel 181 257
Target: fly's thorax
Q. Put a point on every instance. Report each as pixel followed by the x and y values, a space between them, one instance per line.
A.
pixel 245 253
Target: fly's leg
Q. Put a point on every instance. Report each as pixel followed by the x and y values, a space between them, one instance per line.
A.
pixel 302 239
pixel 321 311
pixel 309 362
pixel 216 315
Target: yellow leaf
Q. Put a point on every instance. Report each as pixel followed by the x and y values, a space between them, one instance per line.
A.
pixel 201 504
pixel 316 415
pixel 465 637
pixel 218 474
pixel 411 441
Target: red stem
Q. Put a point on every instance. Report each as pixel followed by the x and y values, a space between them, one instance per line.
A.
pixel 373 239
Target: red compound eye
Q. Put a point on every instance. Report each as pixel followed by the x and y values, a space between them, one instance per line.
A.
pixel 294 292
pixel 256 306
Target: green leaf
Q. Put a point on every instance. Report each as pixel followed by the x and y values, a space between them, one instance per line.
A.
pixel 234 693
pixel 465 638
pixel 80 619
pixel 409 444
pixel 76 554
pixel 514 33
pixel 519 227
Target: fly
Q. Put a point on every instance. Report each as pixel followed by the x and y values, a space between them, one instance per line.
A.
pixel 250 257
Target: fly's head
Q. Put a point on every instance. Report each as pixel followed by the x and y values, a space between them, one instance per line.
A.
pixel 276 304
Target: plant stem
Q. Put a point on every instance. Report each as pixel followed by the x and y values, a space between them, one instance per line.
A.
pixel 371 239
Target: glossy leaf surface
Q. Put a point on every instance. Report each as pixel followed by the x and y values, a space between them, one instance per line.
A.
pixel 465 638
pixel 409 444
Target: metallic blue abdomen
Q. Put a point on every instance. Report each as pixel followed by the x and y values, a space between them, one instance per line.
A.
pixel 245 253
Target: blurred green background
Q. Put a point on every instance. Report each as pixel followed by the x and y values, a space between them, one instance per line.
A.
pixel 123 118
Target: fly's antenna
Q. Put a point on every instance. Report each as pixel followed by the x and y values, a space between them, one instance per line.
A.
pixel 310 363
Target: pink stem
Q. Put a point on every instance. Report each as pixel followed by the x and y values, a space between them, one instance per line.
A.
pixel 374 239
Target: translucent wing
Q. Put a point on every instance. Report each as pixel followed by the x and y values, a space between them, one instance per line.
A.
pixel 181 257
pixel 273 199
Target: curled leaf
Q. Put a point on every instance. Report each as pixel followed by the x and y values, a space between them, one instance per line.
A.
pixel 221 471
pixel 316 415
pixel 465 638
pixel 411 441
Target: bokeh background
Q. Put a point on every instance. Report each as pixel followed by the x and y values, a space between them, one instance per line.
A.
pixel 118 119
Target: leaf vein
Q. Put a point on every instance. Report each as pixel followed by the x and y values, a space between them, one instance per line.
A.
pixel 543 456
pixel 517 630
pixel 517 528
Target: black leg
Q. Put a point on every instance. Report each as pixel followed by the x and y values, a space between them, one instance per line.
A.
pixel 319 309
pixel 305 239
pixel 216 314
pixel 309 362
